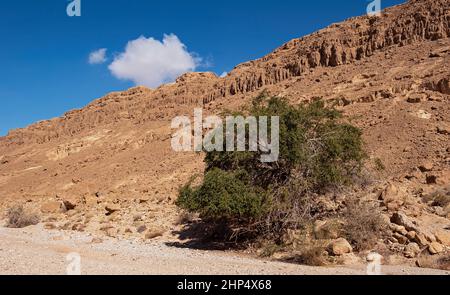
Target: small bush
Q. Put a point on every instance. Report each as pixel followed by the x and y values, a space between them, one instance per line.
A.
pixel 312 255
pixel 440 197
pixel 441 200
pixel 379 166
pixel 17 217
pixel 363 225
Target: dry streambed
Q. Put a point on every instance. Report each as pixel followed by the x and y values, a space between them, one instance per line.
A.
pixel 35 250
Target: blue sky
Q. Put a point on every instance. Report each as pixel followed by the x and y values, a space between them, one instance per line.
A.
pixel 44 68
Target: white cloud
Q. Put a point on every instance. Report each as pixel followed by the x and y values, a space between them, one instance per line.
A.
pixel 97 56
pixel 150 62
pixel 224 74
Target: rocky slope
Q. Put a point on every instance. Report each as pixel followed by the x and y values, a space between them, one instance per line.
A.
pixel 112 165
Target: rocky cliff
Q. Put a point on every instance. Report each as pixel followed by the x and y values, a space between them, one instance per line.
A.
pixel 349 42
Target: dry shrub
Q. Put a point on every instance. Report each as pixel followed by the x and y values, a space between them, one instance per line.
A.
pixel 440 197
pixel 441 200
pixel 312 254
pixel 17 217
pixel 363 224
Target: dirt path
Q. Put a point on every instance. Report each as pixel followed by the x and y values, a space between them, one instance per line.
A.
pixel 38 251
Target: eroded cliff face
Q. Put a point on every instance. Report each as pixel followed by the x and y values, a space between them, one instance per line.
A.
pixel 350 42
pixel 340 44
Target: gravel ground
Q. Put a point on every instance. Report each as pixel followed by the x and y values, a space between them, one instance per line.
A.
pixel 37 251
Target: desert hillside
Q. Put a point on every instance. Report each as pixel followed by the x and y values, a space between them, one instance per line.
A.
pixel 109 168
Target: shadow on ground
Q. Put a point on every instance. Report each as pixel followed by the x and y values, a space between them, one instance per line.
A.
pixel 204 236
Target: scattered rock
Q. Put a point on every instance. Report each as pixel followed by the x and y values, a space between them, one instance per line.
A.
pixel 53 207
pixel 90 201
pixel 426 166
pixel 141 228
pixel 412 250
pixel 392 197
pixel 399 229
pixel 340 247
pixel 421 240
pixel 443 178
pixel 401 219
pixel 401 239
pixel 137 217
pixel 96 241
pixel 443 237
pixel 112 208
pixel 50 226
pixel 70 204
pixel 78 227
pixel 443 129
pixel 431 179
pixel 151 234
pixel 435 248
pixel 424 115
pixel 415 98
pixel 144 200
pixel 447 209
pixel 411 235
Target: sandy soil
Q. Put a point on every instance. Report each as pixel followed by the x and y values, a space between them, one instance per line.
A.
pixel 38 251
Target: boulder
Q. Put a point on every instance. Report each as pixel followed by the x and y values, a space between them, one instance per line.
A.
pixel 435 248
pixel 443 237
pixel 411 235
pixel 411 250
pixel 340 247
pixel 421 240
pixel 398 229
pixel 53 207
pixel 401 239
pixel 392 197
pixel 403 220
